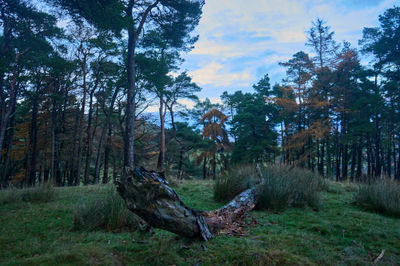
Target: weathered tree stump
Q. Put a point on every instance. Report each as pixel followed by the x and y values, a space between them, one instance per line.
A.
pixel 148 195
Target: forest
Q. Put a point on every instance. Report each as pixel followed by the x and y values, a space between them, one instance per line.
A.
pixel 92 90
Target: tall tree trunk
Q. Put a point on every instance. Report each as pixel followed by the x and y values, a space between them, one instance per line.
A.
pixel 359 159
pixel 8 110
pixel 89 143
pixel 102 141
pixel 398 164
pixel 377 147
pixel 107 156
pixel 161 155
pixel 353 161
pixel 131 105
pixel 133 36
pixel 204 167
pixel 80 128
pixel 8 146
pixel 345 162
pixel 32 150
pixel 53 141
pixel 180 164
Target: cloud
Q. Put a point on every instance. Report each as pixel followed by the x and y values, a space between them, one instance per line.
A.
pixel 239 39
pixel 214 74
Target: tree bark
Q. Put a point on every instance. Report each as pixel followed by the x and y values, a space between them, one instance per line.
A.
pixel 89 141
pixel 148 195
pixel 102 141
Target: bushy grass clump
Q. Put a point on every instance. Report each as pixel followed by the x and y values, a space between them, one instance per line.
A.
pixel 234 181
pixel 42 193
pixel 107 213
pixel 286 187
pixel 283 186
pixel 382 197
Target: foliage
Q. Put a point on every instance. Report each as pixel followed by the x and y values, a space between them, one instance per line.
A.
pixel 253 121
pixel 381 196
pixel 107 213
pixel 39 194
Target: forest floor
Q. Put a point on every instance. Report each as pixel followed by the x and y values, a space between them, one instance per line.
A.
pixel 338 233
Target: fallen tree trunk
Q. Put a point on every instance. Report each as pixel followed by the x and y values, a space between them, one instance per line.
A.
pixel 148 195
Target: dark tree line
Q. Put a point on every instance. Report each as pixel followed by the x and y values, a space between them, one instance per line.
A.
pixel 331 114
pixel 77 80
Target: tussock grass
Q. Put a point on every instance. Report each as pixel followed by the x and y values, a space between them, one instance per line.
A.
pixel 43 193
pixel 382 197
pixel 284 187
pixel 107 213
pixel 234 181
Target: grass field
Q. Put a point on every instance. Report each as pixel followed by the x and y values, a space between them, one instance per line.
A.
pixel 338 233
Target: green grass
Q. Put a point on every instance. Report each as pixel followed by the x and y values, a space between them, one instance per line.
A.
pixel 43 193
pixel 339 233
pixel 108 213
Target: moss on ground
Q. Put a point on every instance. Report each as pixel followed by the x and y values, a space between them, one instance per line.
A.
pixel 338 233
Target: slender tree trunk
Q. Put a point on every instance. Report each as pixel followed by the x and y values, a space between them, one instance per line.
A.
pixel 377 147
pixel 204 167
pixel 46 175
pixel 369 155
pixel 53 141
pixel 353 161
pixel 180 164
pixel 133 36
pixel 322 155
pixel 102 141
pixel 9 141
pixel 345 162
pixel 359 159
pixel 80 129
pixel 131 105
pixel 32 153
pixel 89 143
pixel 161 155
pixel 7 112
pixel 398 164
pixel 107 156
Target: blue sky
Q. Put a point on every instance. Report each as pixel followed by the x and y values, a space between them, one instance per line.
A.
pixel 241 40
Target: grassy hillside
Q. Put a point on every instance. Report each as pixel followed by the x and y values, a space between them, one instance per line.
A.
pixel 337 233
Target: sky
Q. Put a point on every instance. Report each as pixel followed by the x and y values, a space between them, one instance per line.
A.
pixel 242 40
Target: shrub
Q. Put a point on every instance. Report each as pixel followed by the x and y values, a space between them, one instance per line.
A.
pixel 285 187
pixel 43 193
pixel 108 213
pixel 234 181
pixel 382 197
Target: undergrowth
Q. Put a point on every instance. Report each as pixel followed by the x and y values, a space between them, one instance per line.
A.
pixel 43 193
pixel 107 213
pixel 234 181
pixel 382 197
pixel 283 187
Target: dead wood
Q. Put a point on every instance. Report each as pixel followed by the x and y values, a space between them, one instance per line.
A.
pixel 148 195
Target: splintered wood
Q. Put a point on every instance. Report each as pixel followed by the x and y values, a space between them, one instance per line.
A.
pixel 148 195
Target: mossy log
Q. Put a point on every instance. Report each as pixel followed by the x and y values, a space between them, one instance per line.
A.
pixel 148 195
